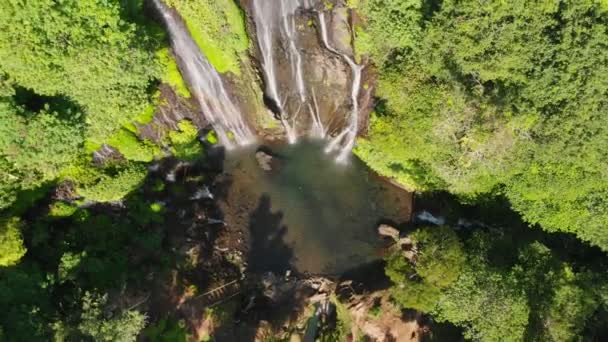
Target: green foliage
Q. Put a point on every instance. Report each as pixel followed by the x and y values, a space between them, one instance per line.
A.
pixel 437 262
pixel 132 148
pixel 25 302
pixel 560 298
pixel 495 96
pixel 392 25
pixel 439 256
pixel 486 304
pixel 505 289
pixel 21 134
pixel 122 328
pixel 172 75
pixel 112 187
pixel 184 143
pixel 61 210
pixel 218 27
pixel 167 331
pixel 9 183
pixel 11 242
pixel 68 266
pixel 82 49
pixel 145 213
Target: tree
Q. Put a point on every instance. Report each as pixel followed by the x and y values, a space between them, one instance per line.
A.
pixel 26 303
pixel 83 49
pixel 123 327
pixel 470 108
pixel 9 183
pixel 11 241
pixel 111 185
pixel 486 304
pixel 22 133
pixel 560 299
pixel 436 264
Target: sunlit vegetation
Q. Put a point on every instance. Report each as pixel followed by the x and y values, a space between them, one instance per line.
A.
pixel 11 241
pixel 485 100
pixel 134 148
pixel 185 143
pixel 218 27
pixel 495 98
pixel 495 288
pixel 172 75
pixel 76 76
pixel 112 184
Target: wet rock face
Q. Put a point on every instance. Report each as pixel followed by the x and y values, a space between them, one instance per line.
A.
pixel 327 76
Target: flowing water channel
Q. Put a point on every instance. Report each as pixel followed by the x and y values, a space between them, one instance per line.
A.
pixel 308 214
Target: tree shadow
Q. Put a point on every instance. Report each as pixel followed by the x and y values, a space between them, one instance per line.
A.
pixel 268 251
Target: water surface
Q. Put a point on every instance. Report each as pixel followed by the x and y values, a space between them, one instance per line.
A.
pixel 309 214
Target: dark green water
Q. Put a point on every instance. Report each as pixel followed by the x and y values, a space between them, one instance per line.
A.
pixel 308 214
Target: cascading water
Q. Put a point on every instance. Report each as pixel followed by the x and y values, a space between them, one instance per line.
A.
pixel 206 84
pixel 349 134
pixel 271 16
pixel 277 33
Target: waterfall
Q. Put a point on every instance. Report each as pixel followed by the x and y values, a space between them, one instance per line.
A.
pixel 348 135
pixel 276 30
pixel 275 22
pixel 206 84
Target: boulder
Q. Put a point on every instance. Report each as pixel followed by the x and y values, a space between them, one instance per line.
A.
pixel 388 231
pixel 264 160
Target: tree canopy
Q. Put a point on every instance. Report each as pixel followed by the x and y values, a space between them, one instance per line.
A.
pixel 11 241
pixel 525 292
pixel 495 97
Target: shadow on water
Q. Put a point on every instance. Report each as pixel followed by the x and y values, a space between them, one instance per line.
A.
pixel 268 250
pixel 308 214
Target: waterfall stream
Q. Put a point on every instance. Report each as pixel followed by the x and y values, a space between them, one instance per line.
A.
pixel 349 134
pixel 206 84
pixel 271 17
pixel 291 88
pixel 277 33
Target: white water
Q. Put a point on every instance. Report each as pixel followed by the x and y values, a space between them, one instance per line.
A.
pixel 206 85
pixel 275 24
pixel 270 16
pixel 346 139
